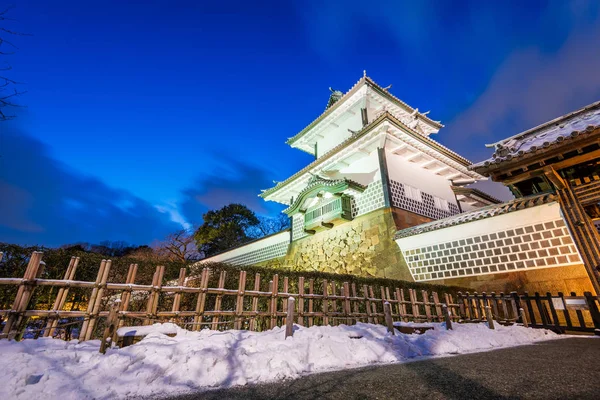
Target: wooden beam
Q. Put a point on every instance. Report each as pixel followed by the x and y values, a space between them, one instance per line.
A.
pixel 555 178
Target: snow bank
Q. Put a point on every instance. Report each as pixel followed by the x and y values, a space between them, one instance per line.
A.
pixel 160 365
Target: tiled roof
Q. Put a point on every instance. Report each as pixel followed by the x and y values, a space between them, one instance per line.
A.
pixel 481 213
pixel 364 80
pixel 321 182
pixel 384 115
pixel 543 137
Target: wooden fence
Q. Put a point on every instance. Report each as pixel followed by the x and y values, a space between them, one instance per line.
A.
pixel 193 305
pixel 559 313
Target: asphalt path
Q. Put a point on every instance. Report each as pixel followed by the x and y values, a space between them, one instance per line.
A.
pixel 559 369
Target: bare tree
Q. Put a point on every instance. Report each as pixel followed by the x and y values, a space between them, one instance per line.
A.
pixel 179 246
pixel 269 225
pixel 8 87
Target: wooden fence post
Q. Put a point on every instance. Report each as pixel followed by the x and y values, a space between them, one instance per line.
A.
pixel 94 302
pixel 274 298
pixel 301 301
pixel 23 296
pixel 523 318
pixel 253 321
pixel 447 317
pixel 177 297
pixel 311 288
pixel 367 304
pixel 347 308
pixel 239 306
pixel 126 295
pixel 218 301
pixel 591 302
pixel 61 297
pixel 286 291
pixel 565 311
pixel 387 310
pixel 488 316
pixel 425 296
pixel 325 303
pixel 538 302
pixel 201 301
pixel 413 301
pixel 111 326
pixel 289 321
pixel 438 308
pixel 579 314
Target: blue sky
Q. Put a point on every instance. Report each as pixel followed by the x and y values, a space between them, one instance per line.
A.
pixel 141 115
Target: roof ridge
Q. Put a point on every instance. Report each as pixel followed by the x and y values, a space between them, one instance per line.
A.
pixel 529 131
pixel 411 109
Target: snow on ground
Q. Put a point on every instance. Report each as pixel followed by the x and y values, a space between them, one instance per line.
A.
pixel 160 365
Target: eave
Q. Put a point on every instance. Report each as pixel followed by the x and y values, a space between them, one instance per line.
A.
pixel 385 116
pixel 365 80
pixel 551 141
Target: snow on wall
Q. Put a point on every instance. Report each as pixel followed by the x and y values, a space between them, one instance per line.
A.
pixel 532 238
pixel 271 247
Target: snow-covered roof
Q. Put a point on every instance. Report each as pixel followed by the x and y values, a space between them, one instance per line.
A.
pixel 543 138
pixel 481 213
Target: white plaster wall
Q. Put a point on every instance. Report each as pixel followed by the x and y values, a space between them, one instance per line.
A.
pixel 409 173
pixel 334 135
pixel 525 252
pixel 261 244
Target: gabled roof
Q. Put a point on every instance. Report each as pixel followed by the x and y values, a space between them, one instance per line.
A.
pixel 318 184
pixel 481 213
pixel 365 80
pixel 543 138
pixel 383 116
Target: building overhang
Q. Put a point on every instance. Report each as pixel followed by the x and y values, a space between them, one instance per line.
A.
pixel 350 104
pixel 385 130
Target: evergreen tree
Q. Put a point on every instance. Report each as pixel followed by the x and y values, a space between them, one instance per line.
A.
pixel 224 228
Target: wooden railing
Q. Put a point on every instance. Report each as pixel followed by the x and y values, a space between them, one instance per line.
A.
pixel 555 312
pixel 245 307
pixel 192 304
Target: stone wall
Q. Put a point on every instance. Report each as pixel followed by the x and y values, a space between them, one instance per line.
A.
pixel 572 278
pixel 363 246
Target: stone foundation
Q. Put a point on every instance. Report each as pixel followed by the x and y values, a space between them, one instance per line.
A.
pixel 363 246
pixel 572 278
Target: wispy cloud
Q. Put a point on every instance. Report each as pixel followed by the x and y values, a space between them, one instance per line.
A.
pixel 43 201
pixel 531 87
pixel 230 181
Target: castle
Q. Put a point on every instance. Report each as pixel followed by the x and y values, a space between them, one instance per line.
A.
pixel 384 199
